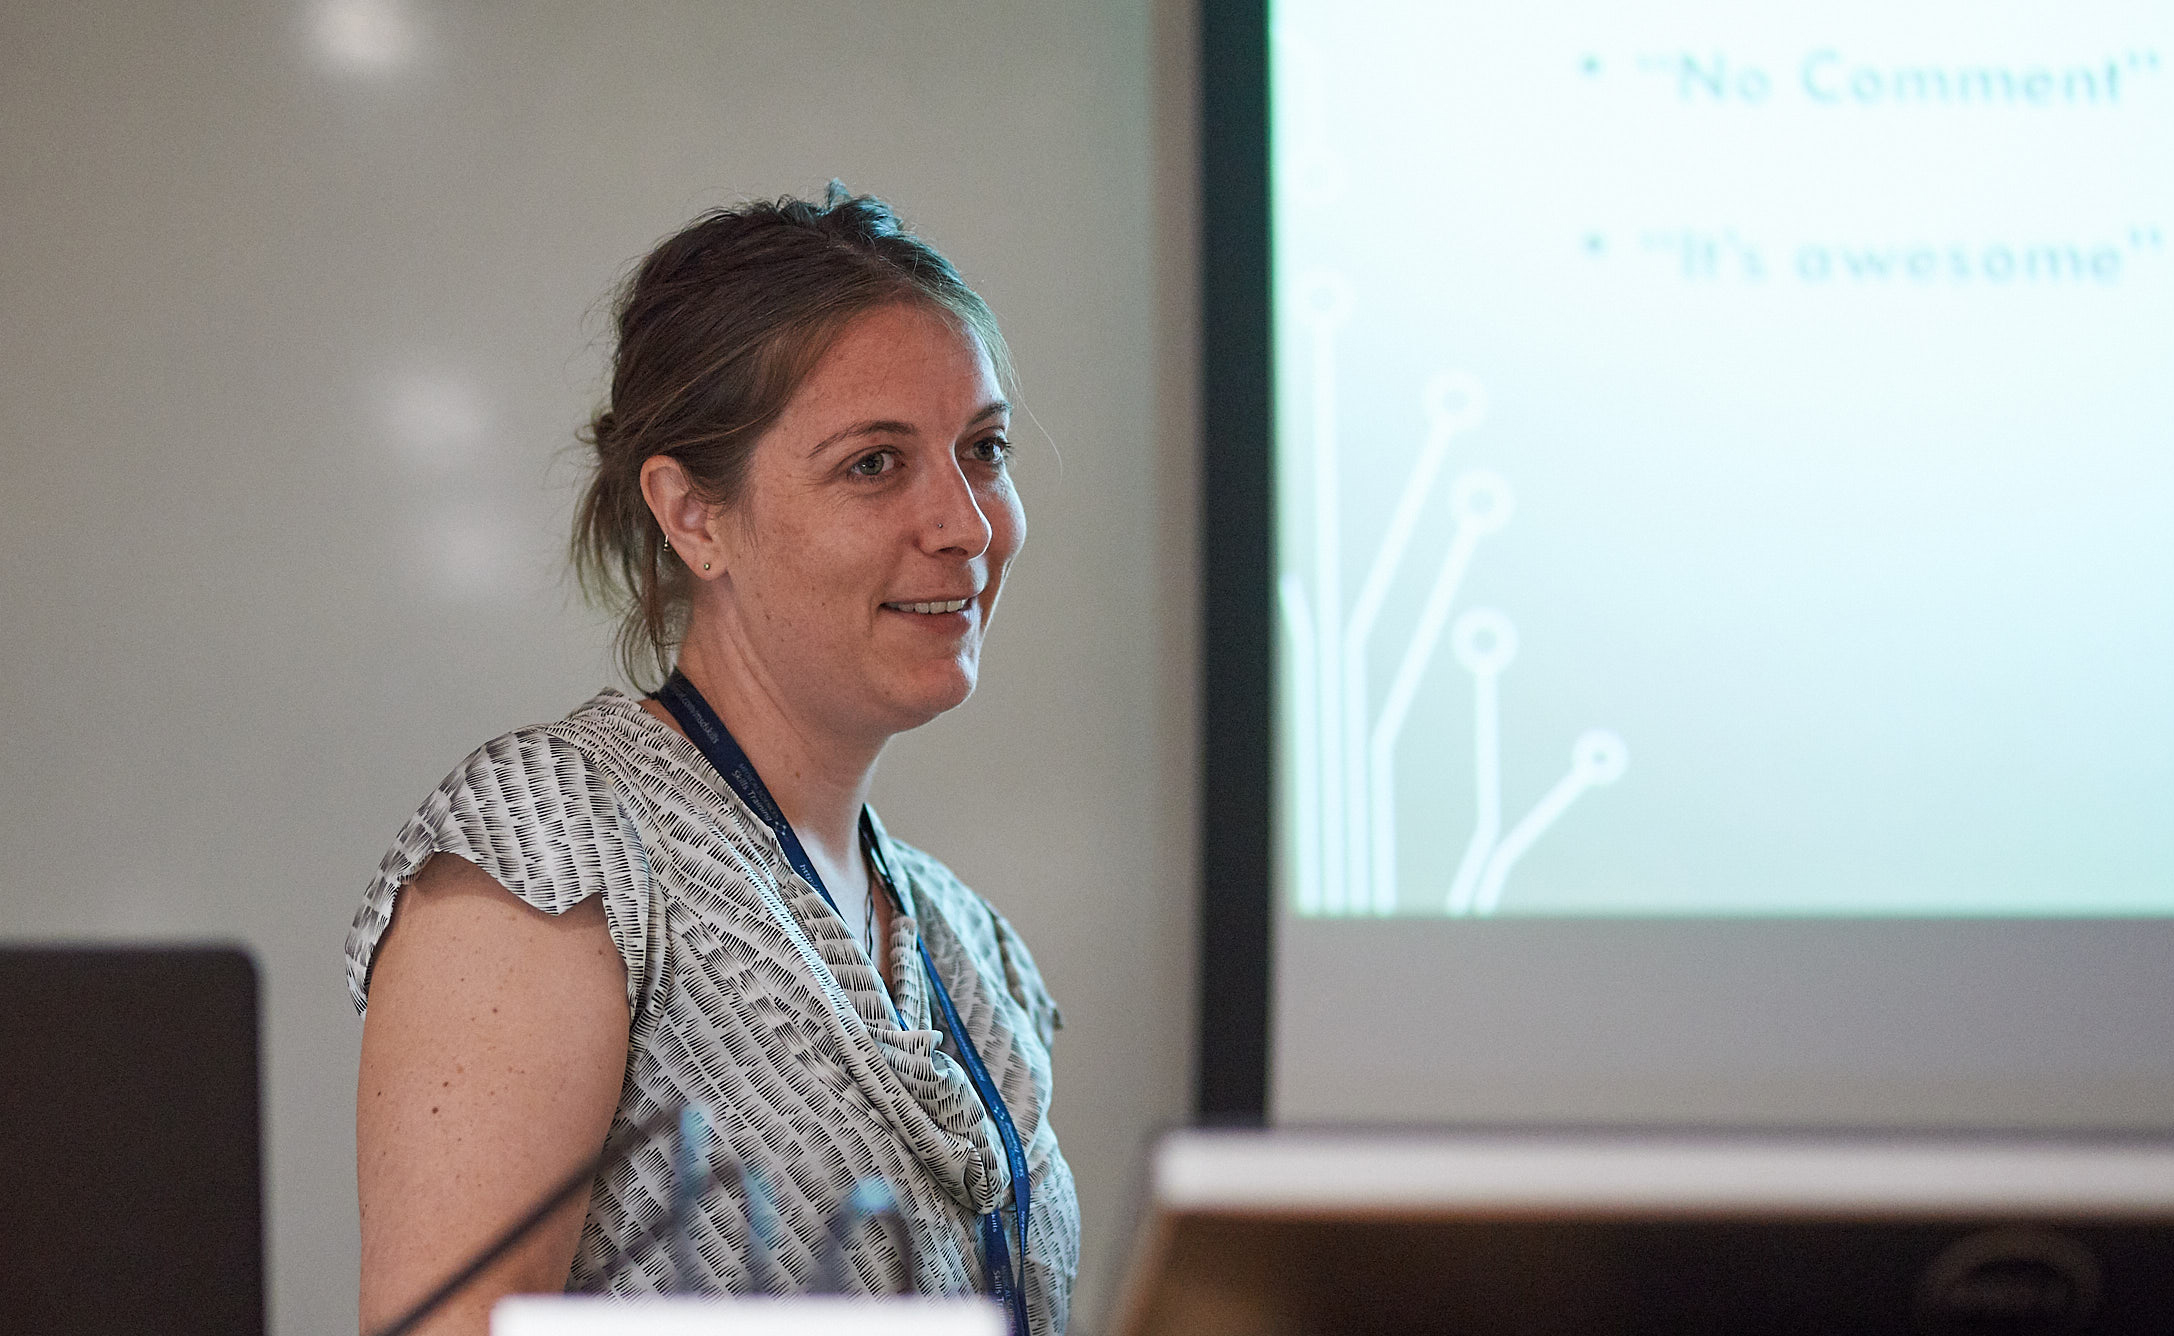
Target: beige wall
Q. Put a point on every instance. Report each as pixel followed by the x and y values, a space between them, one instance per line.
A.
pixel 299 307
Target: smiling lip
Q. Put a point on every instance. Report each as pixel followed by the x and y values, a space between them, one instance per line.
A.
pixel 931 607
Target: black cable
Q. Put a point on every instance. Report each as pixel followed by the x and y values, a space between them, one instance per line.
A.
pixel 613 1153
pixel 872 1200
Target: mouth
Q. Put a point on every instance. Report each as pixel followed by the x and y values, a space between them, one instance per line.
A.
pixel 933 608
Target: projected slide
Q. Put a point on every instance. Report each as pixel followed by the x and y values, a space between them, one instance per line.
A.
pixel 1725 458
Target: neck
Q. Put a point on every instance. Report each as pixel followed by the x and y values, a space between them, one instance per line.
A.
pixel 819 778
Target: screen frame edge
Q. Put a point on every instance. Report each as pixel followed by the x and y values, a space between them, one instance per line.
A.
pixel 1237 554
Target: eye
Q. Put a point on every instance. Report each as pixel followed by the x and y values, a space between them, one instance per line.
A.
pixel 874 464
pixel 991 450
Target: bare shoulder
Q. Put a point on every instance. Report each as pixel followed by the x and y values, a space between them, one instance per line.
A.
pixel 492 1056
pixel 551 812
pixel 455 915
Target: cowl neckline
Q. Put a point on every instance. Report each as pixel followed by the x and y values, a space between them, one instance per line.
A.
pixel 920 1090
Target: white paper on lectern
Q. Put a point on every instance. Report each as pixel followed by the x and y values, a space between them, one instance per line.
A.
pixel 588 1315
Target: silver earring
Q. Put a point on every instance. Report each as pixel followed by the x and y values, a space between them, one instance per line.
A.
pixel 668 542
pixel 705 565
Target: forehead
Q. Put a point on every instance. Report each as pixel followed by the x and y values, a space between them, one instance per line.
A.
pixel 898 358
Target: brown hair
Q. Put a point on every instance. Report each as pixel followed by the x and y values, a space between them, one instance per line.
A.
pixel 717 328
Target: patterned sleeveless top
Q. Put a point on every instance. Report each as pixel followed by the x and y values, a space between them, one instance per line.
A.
pixel 748 995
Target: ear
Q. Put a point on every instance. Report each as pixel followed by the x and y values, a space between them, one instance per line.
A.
pixel 686 519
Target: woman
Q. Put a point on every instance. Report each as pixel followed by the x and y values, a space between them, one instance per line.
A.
pixel 801 494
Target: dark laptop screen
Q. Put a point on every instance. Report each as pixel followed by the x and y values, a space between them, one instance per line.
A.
pixel 129 1141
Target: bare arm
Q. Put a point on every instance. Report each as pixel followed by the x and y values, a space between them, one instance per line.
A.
pixel 492 1056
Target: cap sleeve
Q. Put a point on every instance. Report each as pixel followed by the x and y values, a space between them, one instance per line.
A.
pixel 534 814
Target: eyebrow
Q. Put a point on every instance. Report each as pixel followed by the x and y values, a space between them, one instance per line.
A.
pixel 894 427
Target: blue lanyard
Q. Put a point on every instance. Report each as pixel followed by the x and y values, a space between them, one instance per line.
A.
pixel 710 737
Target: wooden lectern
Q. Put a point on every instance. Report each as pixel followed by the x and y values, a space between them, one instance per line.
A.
pixel 1590 1233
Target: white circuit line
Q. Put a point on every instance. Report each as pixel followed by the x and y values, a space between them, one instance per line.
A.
pixel 1327 300
pixel 1397 707
pixel 1404 688
pixel 1487 788
pixel 1444 423
pixel 1351 732
pixel 1598 757
pixel 1343 772
pixel 1305 764
pixel 1480 502
pixel 1475 520
pixel 1485 642
pixel 1454 403
pixel 1521 837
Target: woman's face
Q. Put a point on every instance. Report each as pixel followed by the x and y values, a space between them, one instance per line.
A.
pixel 869 542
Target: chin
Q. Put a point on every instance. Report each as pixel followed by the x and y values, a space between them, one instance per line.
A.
pixel 933 694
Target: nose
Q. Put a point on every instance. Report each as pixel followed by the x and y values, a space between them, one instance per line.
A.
pixel 955 524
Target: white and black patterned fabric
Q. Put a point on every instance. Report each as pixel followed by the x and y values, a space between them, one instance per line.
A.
pixel 748 995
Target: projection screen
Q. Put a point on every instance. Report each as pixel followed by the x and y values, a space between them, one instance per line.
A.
pixel 1723 562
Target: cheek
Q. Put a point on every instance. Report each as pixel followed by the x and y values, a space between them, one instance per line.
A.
pixel 1008 525
pixel 809 580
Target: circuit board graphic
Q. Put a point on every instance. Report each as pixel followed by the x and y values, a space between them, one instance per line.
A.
pixel 1344 745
